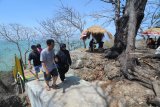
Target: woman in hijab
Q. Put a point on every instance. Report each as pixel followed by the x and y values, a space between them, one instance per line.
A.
pixel 64 61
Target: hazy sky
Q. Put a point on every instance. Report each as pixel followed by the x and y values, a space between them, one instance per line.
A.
pixel 28 12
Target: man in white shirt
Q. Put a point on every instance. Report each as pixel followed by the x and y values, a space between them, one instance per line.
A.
pixel 48 64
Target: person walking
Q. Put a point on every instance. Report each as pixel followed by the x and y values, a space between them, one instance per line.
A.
pixel 39 49
pixel 35 56
pixel 48 64
pixel 64 61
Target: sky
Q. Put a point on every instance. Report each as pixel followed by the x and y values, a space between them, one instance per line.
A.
pixel 30 12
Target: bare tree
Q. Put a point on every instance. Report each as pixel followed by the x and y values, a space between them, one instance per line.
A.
pixel 53 28
pixel 152 16
pixel 110 15
pixel 130 40
pixel 30 35
pixel 58 29
pixel 68 32
pixel 72 18
pixel 17 34
pixel 130 22
pixel 120 41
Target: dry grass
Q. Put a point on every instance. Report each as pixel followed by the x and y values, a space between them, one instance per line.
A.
pixel 95 31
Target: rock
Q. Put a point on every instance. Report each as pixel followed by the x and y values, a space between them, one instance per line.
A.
pixel 149 92
pixel 78 64
pixel 122 102
pixel 113 103
pixel 133 93
pixel 117 64
pixel 112 71
pixel 74 92
pixel 8 97
pixel 89 64
pixel 112 55
pixel 11 101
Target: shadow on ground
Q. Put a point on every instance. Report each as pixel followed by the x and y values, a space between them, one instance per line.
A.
pixel 70 81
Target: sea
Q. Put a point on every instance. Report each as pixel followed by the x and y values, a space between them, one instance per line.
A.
pixel 8 51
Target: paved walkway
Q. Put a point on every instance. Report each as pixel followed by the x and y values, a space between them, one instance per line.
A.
pixel 74 92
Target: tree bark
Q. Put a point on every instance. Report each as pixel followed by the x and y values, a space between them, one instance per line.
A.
pixel 120 42
pixel 156 100
pixel 117 14
pixel 25 58
pixel 68 43
pixel 19 49
pixel 127 62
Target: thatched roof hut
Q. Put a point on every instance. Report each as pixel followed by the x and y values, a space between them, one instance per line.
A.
pixel 97 32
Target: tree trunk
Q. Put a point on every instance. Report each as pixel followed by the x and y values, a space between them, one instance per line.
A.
pixel 117 14
pixel 120 41
pixel 19 49
pixel 20 52
pixel 84 43
pixel 25 58
pixel 128 61
pixel 68 44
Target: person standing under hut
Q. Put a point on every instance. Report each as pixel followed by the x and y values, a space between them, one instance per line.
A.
pixel 64 61
pixel 91 45
pixel 100 44
pixel 35 56
pixel 48 64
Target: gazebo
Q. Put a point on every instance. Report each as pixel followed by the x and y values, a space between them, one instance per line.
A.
pixel 97 33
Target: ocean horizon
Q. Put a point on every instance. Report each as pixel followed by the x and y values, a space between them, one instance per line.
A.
pixel 8 51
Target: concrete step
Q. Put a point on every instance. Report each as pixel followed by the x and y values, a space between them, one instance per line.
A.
pixel 74 92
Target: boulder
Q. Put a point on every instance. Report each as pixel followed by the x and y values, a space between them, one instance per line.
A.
pixel 90 64
pixel 74 92
pixel 11 101
pixel 78 64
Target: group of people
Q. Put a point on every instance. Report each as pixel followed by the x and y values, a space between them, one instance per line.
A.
pixel 92 45
pixel 51 64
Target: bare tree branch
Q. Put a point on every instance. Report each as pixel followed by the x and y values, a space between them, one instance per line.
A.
pixel 15 34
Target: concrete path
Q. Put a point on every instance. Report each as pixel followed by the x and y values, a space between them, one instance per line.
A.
pixel 74 92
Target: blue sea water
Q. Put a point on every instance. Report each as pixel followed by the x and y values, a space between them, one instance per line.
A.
pixel 8 51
